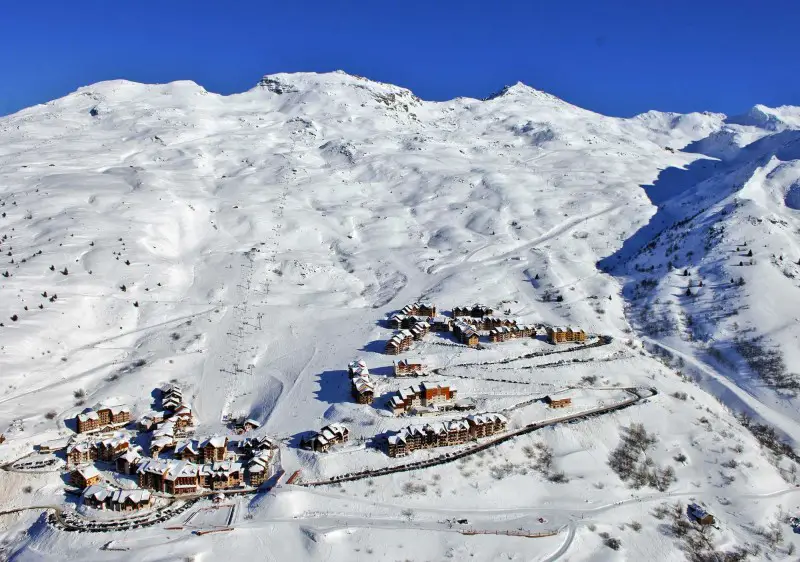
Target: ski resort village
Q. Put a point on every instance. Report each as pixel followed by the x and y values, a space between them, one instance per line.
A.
pixel 324 319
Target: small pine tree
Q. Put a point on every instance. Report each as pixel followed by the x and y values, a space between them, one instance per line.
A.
pixel 688 291
pixel 750 253
pixel 65 272
pixel 741 281
pixel 700 284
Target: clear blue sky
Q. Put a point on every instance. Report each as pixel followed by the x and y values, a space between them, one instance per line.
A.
pixel 619 58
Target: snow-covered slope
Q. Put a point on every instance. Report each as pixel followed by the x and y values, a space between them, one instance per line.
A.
pixel 249 245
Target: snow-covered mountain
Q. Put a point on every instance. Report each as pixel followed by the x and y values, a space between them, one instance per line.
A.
pixel 249 246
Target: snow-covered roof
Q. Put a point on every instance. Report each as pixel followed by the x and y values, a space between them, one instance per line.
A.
pixel 216 441
pixel 88 471
pixel 135 496
pixel 98 492
pixel 90 415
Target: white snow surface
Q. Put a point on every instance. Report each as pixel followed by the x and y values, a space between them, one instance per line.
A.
pixel 262 238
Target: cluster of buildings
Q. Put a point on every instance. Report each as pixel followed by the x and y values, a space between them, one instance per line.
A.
pixel 214 463
pixel 559 334
pixel 445 434
pixel 424 395
pixel 328 436
pixel 103 419
pixel 361 385
pixel 106 449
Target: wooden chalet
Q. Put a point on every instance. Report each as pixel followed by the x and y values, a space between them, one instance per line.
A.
pixel 400 342
pixel 259 468
pixel 557 402
pixel 213 449
pixel 357 368
pixel 403 368
pixel 483 425
pixel 444 434
pixel 505 333
pixel 97 495
pixel 424 395
pixel 81 452
pixel 103 418
pixel 560 334
pixel 474 311
pixel 171 397
pixel 440 323
pixel 327 437
pixel 426 309
pixel 362 389
pixel 129 461
pixel 85 476
pixel 130 500
pixel 110 448
pixel 466 334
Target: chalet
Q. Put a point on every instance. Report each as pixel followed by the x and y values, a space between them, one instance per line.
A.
pixel 327 437
pixel 420 330
pixel 466 334
pixel 182 417
pixel 557 402
pixel 400 342
pixel 187 450
pixel 697 513
pixel 362 389
pixel 403 368
pixel 440 323
pixel 486 323
pixel 225 474
pixel 81 452
pixel 85 476
pixel 398 321
pixel 425 395
pixel 130 500
pixel 428 436
pixel 97 495
pixel 505 333
pixel 88 421
pixel 110 448
pixel 258 469
pixel 426 309
pixel 169 476
pixel 129 461
pixel 149 421
pixel 213 449
pixel 171 397
pixel 104 417
pixel 483 425
pixel 474 311
pixel 253 446
pixel 559 334
pixel 163 438
pixel 357 368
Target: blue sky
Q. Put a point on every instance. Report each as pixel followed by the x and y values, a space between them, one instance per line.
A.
pixel 619 58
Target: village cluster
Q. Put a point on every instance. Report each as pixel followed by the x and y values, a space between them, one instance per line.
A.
pixel 467 324
pixel 162 455
pixel 178 464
